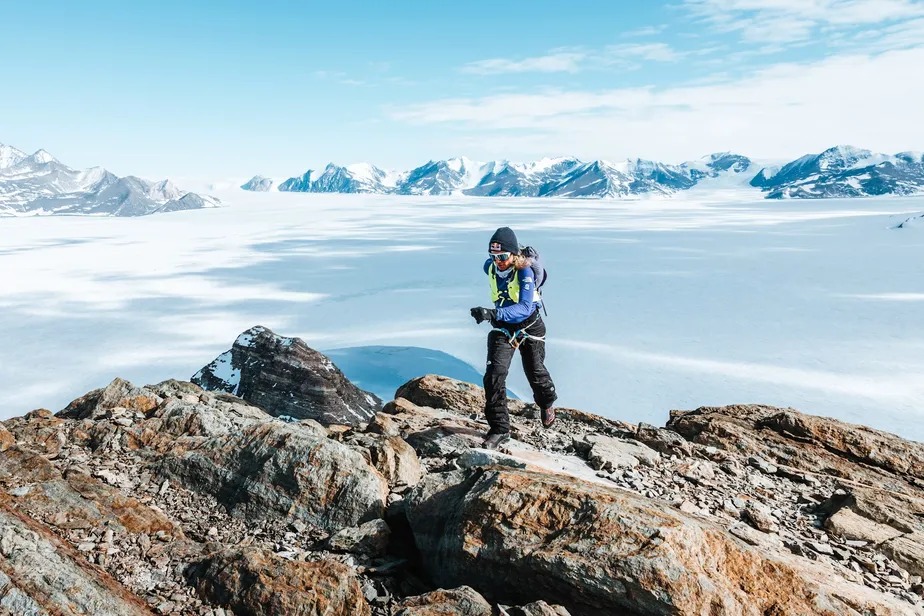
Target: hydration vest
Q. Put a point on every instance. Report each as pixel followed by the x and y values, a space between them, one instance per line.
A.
pixel 512 292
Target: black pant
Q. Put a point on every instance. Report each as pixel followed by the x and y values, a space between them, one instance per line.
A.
pixel 500 354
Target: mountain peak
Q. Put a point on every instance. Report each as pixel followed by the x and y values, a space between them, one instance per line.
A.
pixel 42 156
pixel 9 156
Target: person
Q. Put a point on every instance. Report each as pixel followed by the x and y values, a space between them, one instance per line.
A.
pixel 517 324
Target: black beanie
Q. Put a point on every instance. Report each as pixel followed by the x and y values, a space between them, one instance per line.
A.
pixel 507 240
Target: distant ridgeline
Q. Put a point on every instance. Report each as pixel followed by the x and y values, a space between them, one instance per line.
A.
pixel 841 171
pixel 41 185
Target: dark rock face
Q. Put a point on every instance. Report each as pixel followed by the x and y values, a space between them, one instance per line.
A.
pixel 284 376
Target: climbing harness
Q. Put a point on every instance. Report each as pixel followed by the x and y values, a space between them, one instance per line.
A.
pixel 516 338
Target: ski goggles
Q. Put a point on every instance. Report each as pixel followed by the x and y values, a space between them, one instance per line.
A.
pixel 501 256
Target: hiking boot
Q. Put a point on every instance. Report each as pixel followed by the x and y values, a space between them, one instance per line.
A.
pixel 495 440
pixel 548 416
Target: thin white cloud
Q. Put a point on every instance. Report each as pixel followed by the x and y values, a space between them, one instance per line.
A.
pixel 554 62
pixel 782 21
pixel 654 52
pixel 646 31
pixel 780 111
pixel 627 55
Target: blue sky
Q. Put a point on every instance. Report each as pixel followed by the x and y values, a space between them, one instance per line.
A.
pixel 226 90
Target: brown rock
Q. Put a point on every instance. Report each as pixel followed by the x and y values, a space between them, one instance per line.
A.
pixel 462 601
pixel 808 443
pixel 539 608
pixel 602 551
pixel 254 581
pixel 99 402
pixel 7 439
pixel 392 456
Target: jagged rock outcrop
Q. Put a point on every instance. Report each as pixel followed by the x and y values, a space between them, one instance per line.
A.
pixel 171 499
pixel 284 376
pixel 807 443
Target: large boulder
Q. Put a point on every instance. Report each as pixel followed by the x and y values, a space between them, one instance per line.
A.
pixel 284 376
pixel 601 551
pixel 257 582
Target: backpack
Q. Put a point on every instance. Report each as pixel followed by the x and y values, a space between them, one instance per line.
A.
pixel 539 271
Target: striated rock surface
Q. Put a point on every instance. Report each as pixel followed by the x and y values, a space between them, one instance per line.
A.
pixel 171 499
pixel 285 377
pixel 255 581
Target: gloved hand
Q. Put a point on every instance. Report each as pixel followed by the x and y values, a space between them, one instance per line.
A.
pixel 483 314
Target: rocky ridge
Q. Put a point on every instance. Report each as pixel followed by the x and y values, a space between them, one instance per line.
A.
pixel 172 499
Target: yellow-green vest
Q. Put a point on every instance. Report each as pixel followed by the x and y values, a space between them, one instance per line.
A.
pixel 513 287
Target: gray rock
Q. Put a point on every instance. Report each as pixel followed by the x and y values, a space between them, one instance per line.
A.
pixel 370 538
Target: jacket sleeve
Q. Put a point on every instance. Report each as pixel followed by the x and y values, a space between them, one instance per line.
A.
pixel 515 313
pixel 487 264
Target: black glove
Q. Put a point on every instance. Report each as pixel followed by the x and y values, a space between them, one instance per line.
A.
pixel 483 314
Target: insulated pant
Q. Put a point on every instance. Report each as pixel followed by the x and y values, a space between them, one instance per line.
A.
pixel 500 354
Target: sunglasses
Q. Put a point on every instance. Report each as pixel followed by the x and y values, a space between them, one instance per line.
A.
pixel 501 256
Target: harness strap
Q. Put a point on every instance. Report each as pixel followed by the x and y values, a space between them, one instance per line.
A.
pixel 517 337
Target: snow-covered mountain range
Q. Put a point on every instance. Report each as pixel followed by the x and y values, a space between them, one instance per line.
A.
pixel 39 184
pixel 549 177
pixel 841 171
pixel 844 171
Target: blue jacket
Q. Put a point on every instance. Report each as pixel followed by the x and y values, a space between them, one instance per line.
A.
pixel 509 311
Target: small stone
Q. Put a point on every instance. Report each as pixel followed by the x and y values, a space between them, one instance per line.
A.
pixel 856 543
pixel 21 490
pixel 688 507
pixel 86 546
pixel 821 548
pixel 213 532
pixel 369 592
pixel 732 468
pixel 760 517
pixel 762 465
pixel 298 526
pixel 841 554
pixel 164 487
